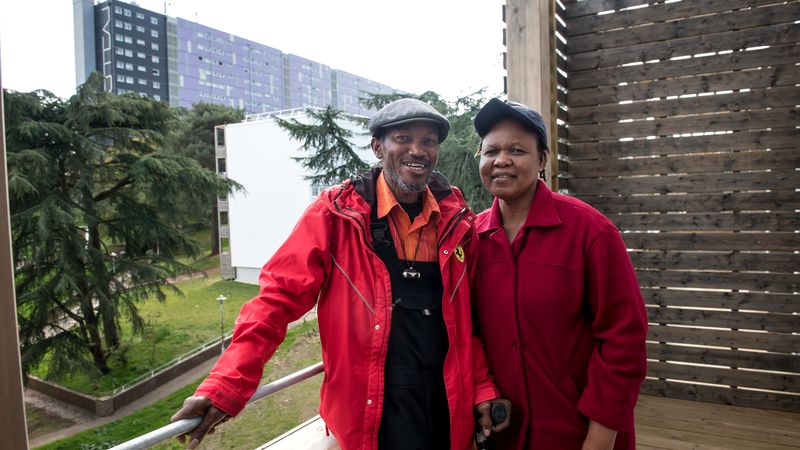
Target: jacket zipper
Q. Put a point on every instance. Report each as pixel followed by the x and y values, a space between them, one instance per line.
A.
pixel 384 342
pixel 451 225
pixel 359 220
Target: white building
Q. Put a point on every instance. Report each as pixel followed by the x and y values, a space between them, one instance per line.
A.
pixel 258 154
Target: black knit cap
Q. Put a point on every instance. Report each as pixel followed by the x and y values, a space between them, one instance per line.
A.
pixel 497 110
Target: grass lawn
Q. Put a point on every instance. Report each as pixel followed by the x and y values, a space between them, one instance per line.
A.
pixel 256 425
pixel 175 326
pixel 204 261
pixel 40 422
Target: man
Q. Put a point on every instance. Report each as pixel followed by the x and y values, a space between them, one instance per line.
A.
pixel 388 258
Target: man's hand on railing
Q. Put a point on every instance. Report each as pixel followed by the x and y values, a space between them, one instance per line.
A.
pixel 194 406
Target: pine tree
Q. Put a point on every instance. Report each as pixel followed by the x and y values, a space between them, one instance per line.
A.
pixel 458 159
pixel 194 137
pixel 332 157
pixel 91 195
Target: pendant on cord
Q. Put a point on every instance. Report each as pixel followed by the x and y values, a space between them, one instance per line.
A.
pixel 412 273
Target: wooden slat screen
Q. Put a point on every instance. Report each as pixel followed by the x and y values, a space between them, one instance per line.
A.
pixel 561 93
pixel 681 124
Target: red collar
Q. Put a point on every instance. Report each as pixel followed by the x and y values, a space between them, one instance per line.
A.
pixel 542 212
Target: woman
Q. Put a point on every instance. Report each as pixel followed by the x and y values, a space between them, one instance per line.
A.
pixel 556 296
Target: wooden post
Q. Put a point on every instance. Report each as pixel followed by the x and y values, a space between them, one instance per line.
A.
pixel 531 65
pixel 13 428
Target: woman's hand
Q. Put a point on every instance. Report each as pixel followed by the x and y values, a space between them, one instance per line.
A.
pixel 599 437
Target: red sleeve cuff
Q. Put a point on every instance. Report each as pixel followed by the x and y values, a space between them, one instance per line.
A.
pixel 221 397
pixel 485 393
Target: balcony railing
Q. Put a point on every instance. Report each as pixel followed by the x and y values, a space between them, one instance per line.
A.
pixel 186 425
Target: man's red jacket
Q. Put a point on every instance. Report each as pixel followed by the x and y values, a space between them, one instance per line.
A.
pixel 328 260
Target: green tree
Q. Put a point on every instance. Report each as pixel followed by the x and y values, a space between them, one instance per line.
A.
pixel 194 137
pixel 332 157
pixel 91 197
pixel 457 155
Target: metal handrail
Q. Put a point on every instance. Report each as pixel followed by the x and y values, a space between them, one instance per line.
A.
pixel 180 427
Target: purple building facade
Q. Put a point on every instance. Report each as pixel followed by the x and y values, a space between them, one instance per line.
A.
pixel 194 63
pixel 350 88
pixel 221 68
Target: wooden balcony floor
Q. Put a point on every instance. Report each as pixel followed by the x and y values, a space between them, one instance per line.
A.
pixel 664 423
pixel 661 423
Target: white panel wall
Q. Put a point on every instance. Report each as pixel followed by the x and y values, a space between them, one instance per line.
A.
pixel 260 158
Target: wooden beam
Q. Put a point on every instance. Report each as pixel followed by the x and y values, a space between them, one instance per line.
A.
pixel 779 262
pixel 754 301
pixel 692 183
pixel 531 65
pixel 781 200
pixel 12 415
pixel 771 342
pixel 719 394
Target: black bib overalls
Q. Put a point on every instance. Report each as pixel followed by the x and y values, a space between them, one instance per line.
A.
pixel 415 412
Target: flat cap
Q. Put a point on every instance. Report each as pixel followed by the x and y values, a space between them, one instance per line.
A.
pixel 496 110
pixel 408 110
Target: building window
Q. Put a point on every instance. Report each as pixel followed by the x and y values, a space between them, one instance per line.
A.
pixel 220 161
pixel 142 81
pixel 156 85
pixel 140 15
pixel 156 72
pixel 120 65
pixel 118 23
pixel 154 33
pixel 118 37
pixel 154 20
pixel 129 80
pixel 157 97
pixel 142 68
pixel 140 41
pixel 119 51
pixel 317 189
pixel 141 55
pixel 121 78
pixel 140 28
pixel 129 66
pixel 127 12
pixel 128 40
pixel 127 26
pixel 129 53
pixel 154 46
pixel 155 59
pixel 223 218
pixel 117 10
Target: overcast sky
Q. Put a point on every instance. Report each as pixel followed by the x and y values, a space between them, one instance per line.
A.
pixel 453 47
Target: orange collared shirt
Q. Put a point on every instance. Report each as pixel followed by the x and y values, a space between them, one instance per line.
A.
pixel 405 233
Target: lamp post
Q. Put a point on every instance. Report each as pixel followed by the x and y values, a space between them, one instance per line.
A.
pixel 221 299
